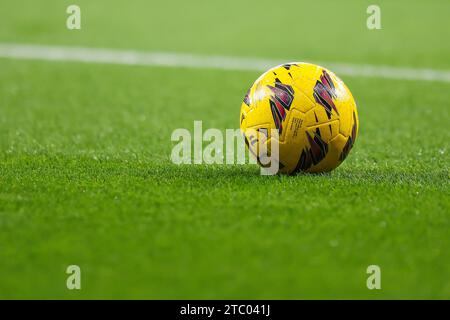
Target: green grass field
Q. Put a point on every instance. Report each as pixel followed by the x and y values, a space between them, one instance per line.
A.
pixel 86 178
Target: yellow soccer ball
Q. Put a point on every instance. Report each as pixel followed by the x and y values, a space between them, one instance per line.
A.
pixel 311 108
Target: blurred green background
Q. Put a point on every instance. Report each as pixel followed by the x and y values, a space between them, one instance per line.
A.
pixel 414 33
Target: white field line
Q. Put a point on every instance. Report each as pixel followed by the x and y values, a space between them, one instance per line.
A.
pixel 128 57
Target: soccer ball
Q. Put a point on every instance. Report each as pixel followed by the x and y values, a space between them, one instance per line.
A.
pixel 313 112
